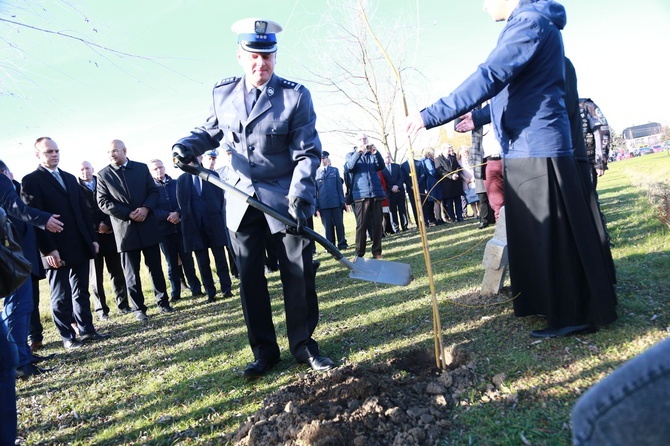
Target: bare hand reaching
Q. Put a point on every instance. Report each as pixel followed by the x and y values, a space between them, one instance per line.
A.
pixel 414 123
pixel 54 224
pixel 466 124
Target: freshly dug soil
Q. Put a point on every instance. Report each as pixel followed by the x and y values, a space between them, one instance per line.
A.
pixel 405 401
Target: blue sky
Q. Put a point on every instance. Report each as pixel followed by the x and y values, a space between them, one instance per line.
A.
pixel 84 96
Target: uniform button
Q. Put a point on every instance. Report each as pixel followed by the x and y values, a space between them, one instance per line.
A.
pixel 251 148
pixel 252 164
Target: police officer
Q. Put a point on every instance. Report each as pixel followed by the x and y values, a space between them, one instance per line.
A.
pixel 209 159
pixel 270 124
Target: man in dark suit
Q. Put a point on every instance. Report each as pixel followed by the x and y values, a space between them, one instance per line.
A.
pixel 421 180
pixel 68 252
pixel 203 228
pixel 127 193
pixel 395 191
pixel 168 215
pixel 270 123
pixel 107 254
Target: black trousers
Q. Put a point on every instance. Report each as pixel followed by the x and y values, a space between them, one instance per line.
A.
pixel 173 250
pixel 485 211
pixel 202 257
pixel 70 299
pixel 113 262
pixel 333 224
pixel 131 268
pixel 398 211
pixel 369 210
pixel 449 205
pixel 300 301
pixel 36 330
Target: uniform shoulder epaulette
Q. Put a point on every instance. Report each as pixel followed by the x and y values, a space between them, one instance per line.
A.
pixel 290 84
pixel 226 81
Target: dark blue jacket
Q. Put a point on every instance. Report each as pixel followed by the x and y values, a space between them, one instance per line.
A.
pixel 167 202
pixel 525 77
pixel 407 175
pixel 328 188
pixel 363 168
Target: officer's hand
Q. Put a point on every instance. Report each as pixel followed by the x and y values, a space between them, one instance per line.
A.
pixel 182 153
pixel 299 210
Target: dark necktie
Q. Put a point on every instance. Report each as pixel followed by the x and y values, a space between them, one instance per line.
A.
pixel 196 183
pixel 258 93
pixel 56 175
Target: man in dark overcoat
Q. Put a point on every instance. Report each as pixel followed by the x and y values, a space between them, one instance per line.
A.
pixel 127 193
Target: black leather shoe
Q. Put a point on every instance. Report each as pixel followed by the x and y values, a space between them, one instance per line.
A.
pixel 165 309
pixel 259 367
pixel 550 332
pixel 95 336
pixel 483 224
pixel 211 299
pixel 125 310
pixel 141 316
pixel 228 294
pixel 26 371
pixel 319 363
pixel 175 299
pixel 71 344
pixel 35 358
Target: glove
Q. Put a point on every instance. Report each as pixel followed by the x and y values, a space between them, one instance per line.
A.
pixel 182 153
pixel 299 210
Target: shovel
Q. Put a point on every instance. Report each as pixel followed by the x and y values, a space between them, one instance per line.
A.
pixel 371 270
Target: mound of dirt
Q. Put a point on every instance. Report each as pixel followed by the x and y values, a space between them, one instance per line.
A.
pixel 405 401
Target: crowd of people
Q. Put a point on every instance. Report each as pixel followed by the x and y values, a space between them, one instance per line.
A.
pixel 559 259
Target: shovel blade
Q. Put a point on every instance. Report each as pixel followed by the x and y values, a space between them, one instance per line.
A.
pixel 381 271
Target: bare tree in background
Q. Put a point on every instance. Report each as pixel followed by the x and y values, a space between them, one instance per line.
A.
pixel 361 90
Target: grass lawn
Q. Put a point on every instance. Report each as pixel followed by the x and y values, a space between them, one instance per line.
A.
pixel 178 379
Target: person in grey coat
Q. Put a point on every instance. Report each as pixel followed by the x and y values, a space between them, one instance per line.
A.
pixel 270 124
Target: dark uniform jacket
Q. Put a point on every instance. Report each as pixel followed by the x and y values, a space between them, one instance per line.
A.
pixel 276 149
pixel 121 191
pixel 329 188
